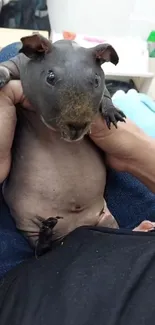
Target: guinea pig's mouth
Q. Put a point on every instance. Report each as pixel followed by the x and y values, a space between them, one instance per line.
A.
pixel 70 132
pixel 68 139
pixel 74 132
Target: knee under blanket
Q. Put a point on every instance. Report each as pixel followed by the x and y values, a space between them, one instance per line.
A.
pixel 128 199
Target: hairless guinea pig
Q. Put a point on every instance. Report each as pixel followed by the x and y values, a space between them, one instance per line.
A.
pixel 69 74
pixel 65 85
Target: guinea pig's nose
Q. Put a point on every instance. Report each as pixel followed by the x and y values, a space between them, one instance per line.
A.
pixel 74 127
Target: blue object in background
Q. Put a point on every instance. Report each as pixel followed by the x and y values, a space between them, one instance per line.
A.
pixel 10 51
pixel 127 198
pixel 140 108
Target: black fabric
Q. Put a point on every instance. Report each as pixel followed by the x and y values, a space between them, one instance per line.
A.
pixel 96 277
pixel 115 85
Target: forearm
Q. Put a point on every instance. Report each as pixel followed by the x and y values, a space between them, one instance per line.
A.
pixel 142 164
pixel 5 164
pixel 127 148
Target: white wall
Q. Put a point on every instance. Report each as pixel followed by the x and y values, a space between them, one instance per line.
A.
pixel 103 17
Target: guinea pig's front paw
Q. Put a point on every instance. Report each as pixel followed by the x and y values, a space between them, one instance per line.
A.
pixel 111 114
pixel 4 76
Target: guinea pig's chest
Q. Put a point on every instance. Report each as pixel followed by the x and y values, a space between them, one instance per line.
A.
pixel 51 166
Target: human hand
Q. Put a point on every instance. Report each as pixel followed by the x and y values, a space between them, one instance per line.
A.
pixel 121 144
pixel 10 95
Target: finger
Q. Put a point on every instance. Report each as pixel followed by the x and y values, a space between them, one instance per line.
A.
pixel 13 92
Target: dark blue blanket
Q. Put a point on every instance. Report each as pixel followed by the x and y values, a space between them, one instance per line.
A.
pixel 128 200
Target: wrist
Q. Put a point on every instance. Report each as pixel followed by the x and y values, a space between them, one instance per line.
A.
pixel 141 164
pixel 143 149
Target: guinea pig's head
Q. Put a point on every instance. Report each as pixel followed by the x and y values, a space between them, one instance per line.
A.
pixel 65 82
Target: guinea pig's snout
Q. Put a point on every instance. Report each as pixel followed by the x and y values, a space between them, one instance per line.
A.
pixel 76 131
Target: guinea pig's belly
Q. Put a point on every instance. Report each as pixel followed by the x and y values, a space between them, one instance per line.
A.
pixel 56 179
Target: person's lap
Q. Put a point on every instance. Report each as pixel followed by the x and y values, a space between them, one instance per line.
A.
pixel 128 200
pixel 105 276
pixel 13 246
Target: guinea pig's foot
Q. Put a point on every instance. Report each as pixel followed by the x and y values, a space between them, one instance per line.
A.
pixel 111 114
pixel 45 241
pixel 4 76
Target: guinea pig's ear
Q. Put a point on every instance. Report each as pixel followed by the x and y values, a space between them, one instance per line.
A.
pixel 35 46
pixel 105 53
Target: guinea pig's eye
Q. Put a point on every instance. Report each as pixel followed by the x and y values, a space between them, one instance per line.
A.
pixel 97 81
pixel 50 77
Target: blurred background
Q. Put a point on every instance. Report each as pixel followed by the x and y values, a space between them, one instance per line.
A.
pixel 94 17
pixel 129 25
pixel 103 17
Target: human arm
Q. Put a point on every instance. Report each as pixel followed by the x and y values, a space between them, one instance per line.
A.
pixel 128 149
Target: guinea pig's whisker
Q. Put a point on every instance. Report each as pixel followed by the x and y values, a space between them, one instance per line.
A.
pixel 47 123
pixel 52 119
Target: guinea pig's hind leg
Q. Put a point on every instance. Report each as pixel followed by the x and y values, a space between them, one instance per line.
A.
pixel 45 240
pixel 4 76
pixel 110 113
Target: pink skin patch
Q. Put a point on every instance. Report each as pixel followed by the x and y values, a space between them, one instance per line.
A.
pixel 145 226
pixel 107 219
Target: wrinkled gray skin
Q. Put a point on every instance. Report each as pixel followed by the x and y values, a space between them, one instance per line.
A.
pixel 78 90
pixel 50 177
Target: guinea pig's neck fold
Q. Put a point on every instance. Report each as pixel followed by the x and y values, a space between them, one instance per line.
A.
pixel 31 121
pixel 46 124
